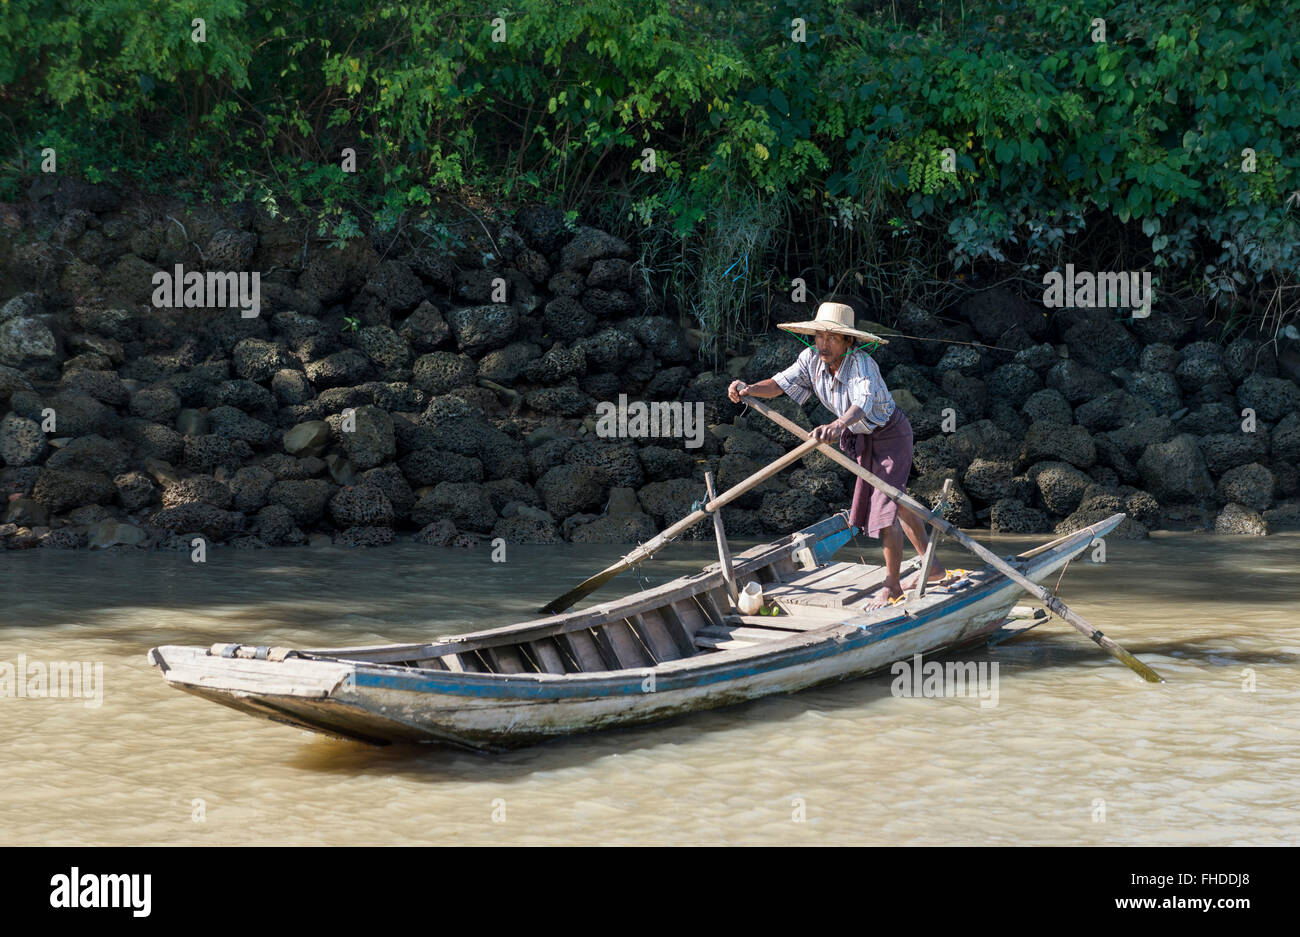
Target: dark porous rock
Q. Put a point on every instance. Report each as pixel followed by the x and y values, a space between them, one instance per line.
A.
pixel 928 489
pixel 1077 382
pixel 503 491
pixel 565 400
pixel 661 463
pixel 1048 405
pixel 21 440
pixel 431 466
pixel 337 399
pixel 547 455
pixel 135 490
pixel 1210 418
pixel 556 364
pixel 1270 397
pixel 618 461
pixel 533 265
pixel 636 527
pixel 1104 475
pixel 26 512
pixel 604 386
pixel 389 480
pixel 341 470
pixel 243 395
pixel 153 440
pixel 570 489
pixel 527 526
pixel 1037 357
pixel 610 349
pixel 828 487
pixel 230 250
pixel 1158 357
pixel 394 285
pixel 371 441
pixel 104 386
pixel 304 499
pixel 11 379
pixel 1007 417
pixel 1240 520
pixel 506 364
pixel 440 371
pixel 306 439
pixel 210 452
pixel 88 361
pixel 589 245
pixel 996 311
pixel 1223 451
pixel 256 359
pixel 1251 484
pixel 284 467
pixel 231 423
pixel 668 383
pixel 481 328
pixel 1132 441
pixel 466 504
pixel 988 480
pixel 1127 529
pixel 249 487
pixel 27 342
pixel 1286 516
pixel 364 537
pixel 425 329
pixel 612 273
pixel 91 454
pixel 1060 485
pixel 1111 411
pixel 1013 516
pixel 782 405
pixel 968 394
pixel 983 439
pixel 437 534
pixel 567 283
pixel 275 526
pixel 752 445
pixel 662 336
pixel 938 455
pixel 670 500
pixel 785 511
pixel 1245 356
pixel 361 505
pixel 212 522
pixel 389 353
pixel 197 489
pixel 566 320
pixel 733 469
pixel 1102 344
pixel 79 414
pixel 1143 508
pixel 958 358
pixel 1200 371
pixel 65 538
pixel 398 396
pixel 772 354
pixel 1286 438
pixel 1014 382
pixel 228 328
pixel 1175 471
pixel 345 368
pixel 61 489
pixel 156 404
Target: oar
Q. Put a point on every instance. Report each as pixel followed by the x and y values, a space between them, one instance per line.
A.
pixel 653 545
pixel 904 500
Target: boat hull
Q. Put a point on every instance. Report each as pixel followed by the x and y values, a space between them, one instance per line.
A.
pixel 380 703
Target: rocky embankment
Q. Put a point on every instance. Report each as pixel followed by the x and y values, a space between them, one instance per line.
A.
pixel 452 396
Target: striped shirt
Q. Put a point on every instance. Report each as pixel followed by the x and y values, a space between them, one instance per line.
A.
pixel 858 382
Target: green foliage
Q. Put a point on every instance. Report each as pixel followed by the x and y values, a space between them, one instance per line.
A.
pixel 835 142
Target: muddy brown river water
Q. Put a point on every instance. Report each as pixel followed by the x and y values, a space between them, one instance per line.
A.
pixel 1077 749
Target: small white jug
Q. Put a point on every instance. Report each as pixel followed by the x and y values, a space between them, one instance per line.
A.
pixel 750 599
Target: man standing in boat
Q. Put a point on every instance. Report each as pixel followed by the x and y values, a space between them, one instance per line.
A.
pixel 870 427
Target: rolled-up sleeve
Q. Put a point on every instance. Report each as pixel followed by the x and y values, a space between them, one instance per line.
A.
pixel 861 387
pixel 795 380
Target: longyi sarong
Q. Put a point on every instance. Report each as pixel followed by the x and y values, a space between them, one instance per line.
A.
pixel 887 454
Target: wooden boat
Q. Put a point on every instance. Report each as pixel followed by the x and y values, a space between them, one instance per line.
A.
pixel 649 656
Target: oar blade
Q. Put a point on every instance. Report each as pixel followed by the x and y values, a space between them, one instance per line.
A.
pixel 582 589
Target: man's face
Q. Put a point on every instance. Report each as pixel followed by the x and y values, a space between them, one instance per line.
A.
pixel 831 347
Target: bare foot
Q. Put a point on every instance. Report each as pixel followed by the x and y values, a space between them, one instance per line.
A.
pixel 881 598
pixel 937 574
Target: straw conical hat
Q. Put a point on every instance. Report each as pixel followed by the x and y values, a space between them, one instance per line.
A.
pixel 832 317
